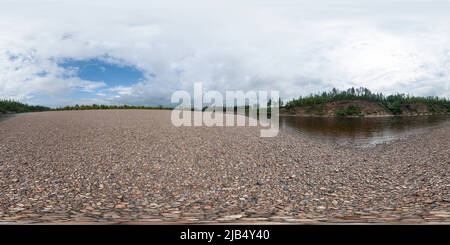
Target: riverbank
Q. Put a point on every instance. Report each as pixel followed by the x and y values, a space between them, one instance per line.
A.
pixel 361 108
pixel 134 166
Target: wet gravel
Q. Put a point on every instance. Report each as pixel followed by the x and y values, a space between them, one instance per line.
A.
pixel 133 166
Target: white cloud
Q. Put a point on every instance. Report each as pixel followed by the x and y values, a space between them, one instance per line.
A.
pixel 297 47
pixel 121 90
pixel 24 75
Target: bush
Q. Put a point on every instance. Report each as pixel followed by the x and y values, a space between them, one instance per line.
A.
pixel 341 113
pixel 353 110
pixel 394 107
pixel 349 111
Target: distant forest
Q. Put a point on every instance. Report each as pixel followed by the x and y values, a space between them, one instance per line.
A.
pixel 110 107
pixel 392 102
pixel 10 106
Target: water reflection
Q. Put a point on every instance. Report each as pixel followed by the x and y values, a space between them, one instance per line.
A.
pixel 361 132
pixel 6 116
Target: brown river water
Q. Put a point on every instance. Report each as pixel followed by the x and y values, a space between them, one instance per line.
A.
pixel 361 132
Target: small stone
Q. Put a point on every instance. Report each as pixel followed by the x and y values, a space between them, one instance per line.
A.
pixel 321 208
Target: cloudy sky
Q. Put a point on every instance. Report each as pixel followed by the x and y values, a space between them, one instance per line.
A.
pixel 57 52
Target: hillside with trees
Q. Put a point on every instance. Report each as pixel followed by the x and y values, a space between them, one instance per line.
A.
pixel 362 102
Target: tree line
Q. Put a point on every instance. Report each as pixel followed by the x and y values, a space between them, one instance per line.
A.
pixel 11 106
pixel 392 102
pixel 110 107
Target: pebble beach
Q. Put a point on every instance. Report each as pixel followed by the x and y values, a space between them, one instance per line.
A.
pixel 135 167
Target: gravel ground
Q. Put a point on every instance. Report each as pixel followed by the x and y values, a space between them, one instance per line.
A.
pixel 134 166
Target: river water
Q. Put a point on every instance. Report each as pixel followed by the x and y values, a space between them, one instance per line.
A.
pixel 6 116
pixel 361 132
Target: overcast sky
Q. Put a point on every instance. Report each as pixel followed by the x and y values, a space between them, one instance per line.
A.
pixel 138 52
